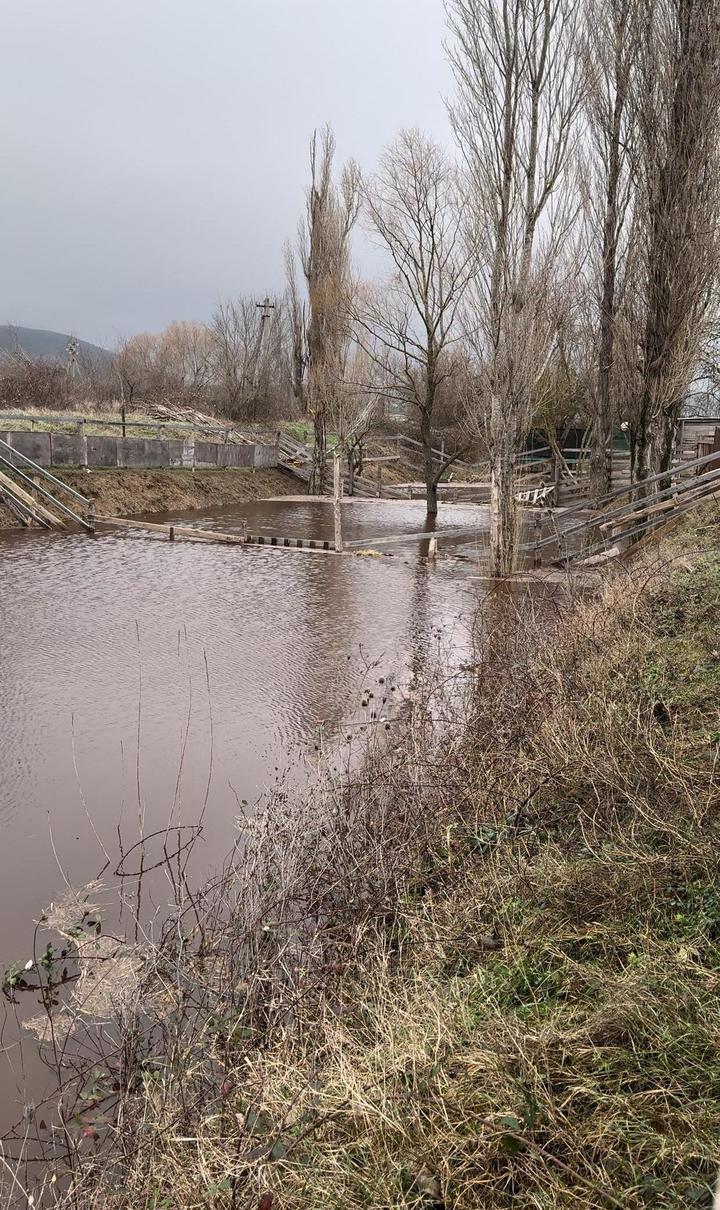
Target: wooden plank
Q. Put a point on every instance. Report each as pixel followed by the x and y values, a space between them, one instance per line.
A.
pixel 682 508
pixel 46 495
pixel 675 473
pixel 696 490
pixel 36 510
pixel 184 531
pixel 18 510
pixel 661 500
pixel 42 471
pixel 419 535
pixel 640 512
pixel 316 546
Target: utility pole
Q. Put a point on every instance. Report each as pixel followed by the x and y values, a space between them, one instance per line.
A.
pixel 265 308
pixel 72 348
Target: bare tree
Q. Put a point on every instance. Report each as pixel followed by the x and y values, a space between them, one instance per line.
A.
pixel 560 390
pixel 135 367
pixel 354 404
pixel 297 323
pixel 235 328
pixel 518 87
pixel 185 351
pixel 248 357
pixel 413 204
pixel 325 257
pixel 35 382
pixel 609 57
pixel 678 103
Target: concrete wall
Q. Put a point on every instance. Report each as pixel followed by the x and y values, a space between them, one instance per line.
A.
pixel 67 449
pixel 137 453
pixel 101 451
pixel 71 449
pixel 32 445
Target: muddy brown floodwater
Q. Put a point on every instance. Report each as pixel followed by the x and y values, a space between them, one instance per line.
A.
pixel 109 645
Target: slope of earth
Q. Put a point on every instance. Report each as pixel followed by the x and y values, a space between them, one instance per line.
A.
pixel 126 492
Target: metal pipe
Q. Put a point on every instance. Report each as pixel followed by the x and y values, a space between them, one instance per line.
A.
pixel 63 508
pixel 45 473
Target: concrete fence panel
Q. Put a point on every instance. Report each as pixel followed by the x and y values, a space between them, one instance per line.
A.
pixel 68 449
pixel 137 453
pixel 175 451
pixel 32 445
pixel 235 455
pixel 102 451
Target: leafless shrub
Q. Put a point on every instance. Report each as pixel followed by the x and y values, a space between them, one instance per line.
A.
pixel 33 382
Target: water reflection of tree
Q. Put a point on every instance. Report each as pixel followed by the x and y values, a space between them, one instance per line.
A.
pixel 322 651
pixel 419 626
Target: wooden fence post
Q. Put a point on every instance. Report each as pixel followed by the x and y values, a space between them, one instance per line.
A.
pixel 337 499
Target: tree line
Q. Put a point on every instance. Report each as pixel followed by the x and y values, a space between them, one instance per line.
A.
pixel 560 261
pixel 564 262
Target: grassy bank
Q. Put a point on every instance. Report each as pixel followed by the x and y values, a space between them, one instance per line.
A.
pixel 483 969
pixel 125 492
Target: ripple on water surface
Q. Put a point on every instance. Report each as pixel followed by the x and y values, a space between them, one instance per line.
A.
pixel 109 637
pixel 96 631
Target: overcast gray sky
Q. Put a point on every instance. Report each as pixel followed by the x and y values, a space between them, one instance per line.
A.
pixel 154 152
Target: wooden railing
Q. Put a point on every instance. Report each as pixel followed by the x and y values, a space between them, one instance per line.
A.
pixel 22 500
pixel 703 479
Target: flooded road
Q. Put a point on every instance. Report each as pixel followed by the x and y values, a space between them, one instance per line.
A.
pixel 135 672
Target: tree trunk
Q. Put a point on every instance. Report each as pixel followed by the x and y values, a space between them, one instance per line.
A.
pixel 298 372
pixel 601 455
pixel 601 461
pixel 641 454
pixel 316 486
pixel 654 443
pixel 663 443
pixel 431 497
pixel 337 499
pixel 431 493
pixel 503 511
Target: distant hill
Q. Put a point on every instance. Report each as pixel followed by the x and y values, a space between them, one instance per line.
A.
pixel 36 342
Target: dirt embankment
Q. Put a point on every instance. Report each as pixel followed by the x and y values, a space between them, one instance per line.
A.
pixel 123 492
